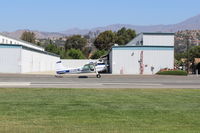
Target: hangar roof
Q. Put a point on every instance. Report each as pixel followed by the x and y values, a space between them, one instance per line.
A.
pixel 157 33
pixel 21 41
pixel 142 48
pixel 27 48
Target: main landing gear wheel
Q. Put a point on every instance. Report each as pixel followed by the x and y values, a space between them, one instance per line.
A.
pixel 98 76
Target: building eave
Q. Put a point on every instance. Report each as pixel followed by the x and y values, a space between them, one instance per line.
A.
pixel 21 40
pixel 27 48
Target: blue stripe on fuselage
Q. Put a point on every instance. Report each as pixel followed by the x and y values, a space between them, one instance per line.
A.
pixel 62 72
pixel 69 71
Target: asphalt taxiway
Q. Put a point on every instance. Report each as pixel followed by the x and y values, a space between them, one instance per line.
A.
pixel 106 81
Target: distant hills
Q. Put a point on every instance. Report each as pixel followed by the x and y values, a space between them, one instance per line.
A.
pixel 39 34
pixel 192 23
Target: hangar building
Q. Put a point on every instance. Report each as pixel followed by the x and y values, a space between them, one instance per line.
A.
pixel 147 53
pixel 17 56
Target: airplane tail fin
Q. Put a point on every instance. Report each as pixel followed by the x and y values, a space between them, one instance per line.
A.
pixel 59 66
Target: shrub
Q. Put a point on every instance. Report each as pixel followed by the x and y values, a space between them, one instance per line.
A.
pixel 173 72
pixel 75 54
pixel 98 54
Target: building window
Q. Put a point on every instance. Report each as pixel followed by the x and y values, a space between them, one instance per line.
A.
pixel 2 40
pixel 10 42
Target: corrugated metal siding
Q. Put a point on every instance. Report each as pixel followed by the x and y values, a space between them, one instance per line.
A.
pixel 10 60
pixel 110 61
pixel 158 60
pixel 127 61
pixel 158 40
pixel 37 62
pixel 18 59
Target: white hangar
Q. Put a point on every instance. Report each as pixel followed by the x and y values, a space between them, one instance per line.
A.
pixel 17 56
pixel 146 54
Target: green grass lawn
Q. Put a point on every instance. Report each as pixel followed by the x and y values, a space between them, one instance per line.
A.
pixel 99 111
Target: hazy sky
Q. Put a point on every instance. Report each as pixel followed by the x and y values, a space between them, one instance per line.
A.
pixel 59 15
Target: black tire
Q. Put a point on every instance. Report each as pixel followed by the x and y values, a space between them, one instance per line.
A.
pixel 98 76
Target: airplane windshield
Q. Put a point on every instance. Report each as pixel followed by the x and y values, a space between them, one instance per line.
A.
pixel 88 67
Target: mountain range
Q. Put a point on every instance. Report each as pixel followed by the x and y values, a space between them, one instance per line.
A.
pixel 192 23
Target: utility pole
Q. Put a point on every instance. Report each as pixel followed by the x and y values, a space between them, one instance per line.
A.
pixel 187 48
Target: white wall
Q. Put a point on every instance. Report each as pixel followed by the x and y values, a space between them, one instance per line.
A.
pixel 158 59
pixel 125 62
pixel 73 63
pixel 10 60
pixel 154 39
pixel 158 40
pixel 37 62
pixel 8 40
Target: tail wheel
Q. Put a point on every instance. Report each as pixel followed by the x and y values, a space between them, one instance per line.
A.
pixel 98 76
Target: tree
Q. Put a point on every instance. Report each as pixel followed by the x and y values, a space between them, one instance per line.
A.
pixel 97 54
pixel 179 56
pixel 105 40
pixel 56 50
pixel 52 48
pixel 194 52
pixel 75 42
pixel 38 43
pixel 28 36
pixel 75 54
pixel 125 35
pixel 63 54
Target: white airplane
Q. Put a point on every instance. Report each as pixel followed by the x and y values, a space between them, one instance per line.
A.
pixel 87 68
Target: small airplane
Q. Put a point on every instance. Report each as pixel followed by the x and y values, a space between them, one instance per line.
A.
pixel 87 68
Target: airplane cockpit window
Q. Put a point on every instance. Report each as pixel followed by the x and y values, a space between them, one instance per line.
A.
pixel 86 67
